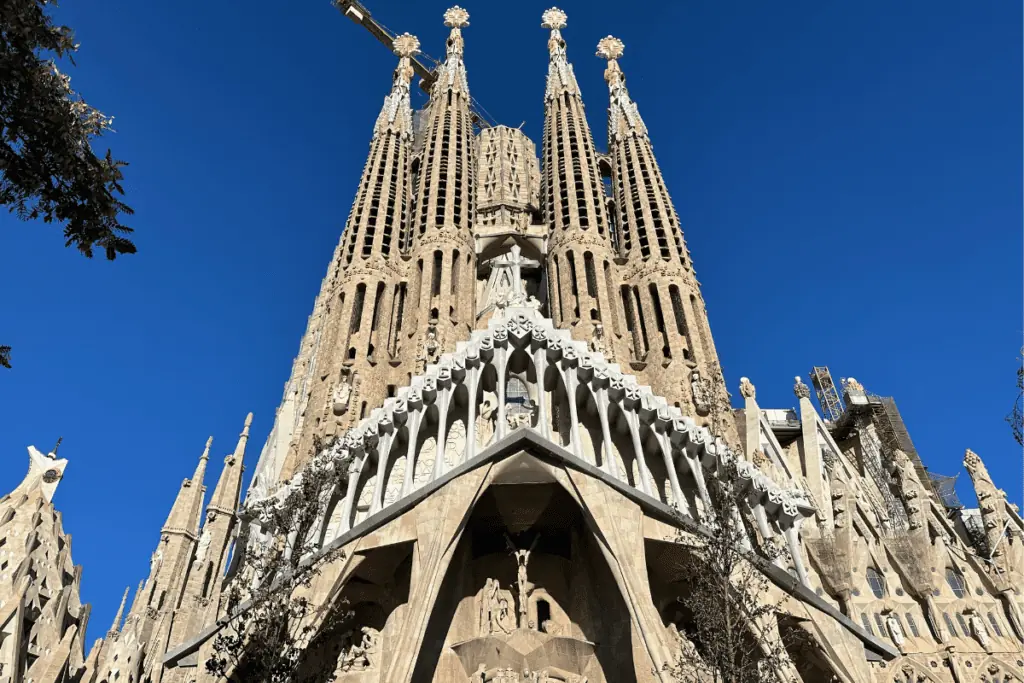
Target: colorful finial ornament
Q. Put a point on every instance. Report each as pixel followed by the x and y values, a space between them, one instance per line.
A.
pixel 553 19
pixel 610 47
pixel 456 17
pixel 406 45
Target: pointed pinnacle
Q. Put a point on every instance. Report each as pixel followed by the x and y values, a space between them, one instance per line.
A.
pixel 206 451
pixel 56 446
pixel 116 626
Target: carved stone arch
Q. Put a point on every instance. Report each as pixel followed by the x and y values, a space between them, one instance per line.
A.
pixel 592 436
pixel 395 472
pixel 333 522
pixel 906 670
pixel 661 486
pixel 995 670
pixel 622 445
pixel 365 485
pixel 566 570
pixel 558 411
pixel 359 617
pixel 426 447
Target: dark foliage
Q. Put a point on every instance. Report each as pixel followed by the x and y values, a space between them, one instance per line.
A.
pixel 272 618
pixel 48 168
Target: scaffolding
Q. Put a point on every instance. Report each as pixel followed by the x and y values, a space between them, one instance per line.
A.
pixel 828 396
pixel 945 490
pixel 875 462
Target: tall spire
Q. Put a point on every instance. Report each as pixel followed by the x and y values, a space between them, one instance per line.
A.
pixel 229 485
pixel 561 79
pixel 396 114
pixel 581 251
pixel 662 302
pixel 439 240
pixel 451 75
pixel 623 116
pixel 115 628
pixel 353 332
pixel 185 513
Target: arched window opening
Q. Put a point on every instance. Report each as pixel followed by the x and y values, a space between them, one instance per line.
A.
pixel 543 614
pixel 912 623
pixel 949 624
pixel 876 581
pixel 995 624
pixel 866 623
pixel 963 624
pixel 517 397
pixel 956 582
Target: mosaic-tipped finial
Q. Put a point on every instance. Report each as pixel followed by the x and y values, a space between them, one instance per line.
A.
pixel 456 17
pixel 553 19
pixel 610 48
pixel 406 45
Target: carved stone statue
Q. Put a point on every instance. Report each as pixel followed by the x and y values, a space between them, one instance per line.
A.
pixel 701 392
pixel 342 392
pixel 489 607
pixel 204 539
pixel 597 344
pixel 800 389
pixel 895 630
pixel 978 629
pixel 747 389
pixel 362 655
pixel 525 587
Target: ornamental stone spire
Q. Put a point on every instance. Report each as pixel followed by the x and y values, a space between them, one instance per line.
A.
pixel 581 255
pixel 561 79
pixel 441 270
pixel 115 628
pixel 661 297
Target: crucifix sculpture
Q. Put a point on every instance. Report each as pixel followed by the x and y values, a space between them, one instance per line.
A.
pixel 522 580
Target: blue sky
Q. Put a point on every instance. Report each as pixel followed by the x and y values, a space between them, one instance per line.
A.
pixel 848 176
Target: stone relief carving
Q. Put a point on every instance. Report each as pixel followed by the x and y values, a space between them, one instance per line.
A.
pixel 747 389
pixel 701 392
pixel 597 343
pixel 495 610
pixel 362 655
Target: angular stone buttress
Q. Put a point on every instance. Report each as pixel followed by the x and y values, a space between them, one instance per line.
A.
pixel 510 367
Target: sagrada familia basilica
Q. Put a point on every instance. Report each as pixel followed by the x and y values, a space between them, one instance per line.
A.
pixel 510 381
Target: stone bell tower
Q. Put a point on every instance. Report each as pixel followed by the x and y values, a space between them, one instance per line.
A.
pixel 669 338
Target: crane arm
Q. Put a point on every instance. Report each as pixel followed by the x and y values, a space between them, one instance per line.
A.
pixel 360 15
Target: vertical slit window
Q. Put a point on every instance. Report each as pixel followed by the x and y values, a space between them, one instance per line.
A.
pixel 357 308
pixel 571 260
pixel 609 288
pixel 659 319
pixel 435 282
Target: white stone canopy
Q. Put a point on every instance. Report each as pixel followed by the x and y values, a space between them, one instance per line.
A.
pixel 612 423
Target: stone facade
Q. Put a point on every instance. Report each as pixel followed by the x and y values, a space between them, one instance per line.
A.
pixel 510 381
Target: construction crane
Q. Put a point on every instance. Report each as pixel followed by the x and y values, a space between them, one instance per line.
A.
pixel 828 396
pixel 360 15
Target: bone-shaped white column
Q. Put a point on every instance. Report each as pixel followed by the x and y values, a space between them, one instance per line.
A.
pixel 610 465
pixel 673 476
pixel 499 364
pixel 383 456
pixel 413 427
pixel 444 396
pixel 540 361
pixel 633 419
pixel 350 495
pixel 472 380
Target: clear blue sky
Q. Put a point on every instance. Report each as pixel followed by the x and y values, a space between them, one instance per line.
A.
pixel 848 175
